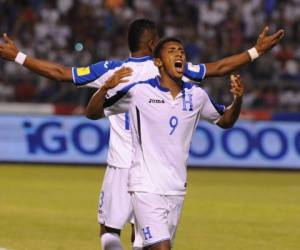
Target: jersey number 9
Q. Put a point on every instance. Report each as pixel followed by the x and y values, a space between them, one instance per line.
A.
pixel 173 124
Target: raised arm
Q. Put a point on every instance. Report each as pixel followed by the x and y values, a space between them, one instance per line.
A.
pixel 232 112
pixel 229 64
pixel 95 107
pixel 53 71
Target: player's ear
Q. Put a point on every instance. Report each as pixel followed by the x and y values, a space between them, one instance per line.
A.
pixel 157 62
pixel 151 45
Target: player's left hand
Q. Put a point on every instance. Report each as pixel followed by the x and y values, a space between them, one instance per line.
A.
pixel 237 86
pixel 264 42
pixel 8 49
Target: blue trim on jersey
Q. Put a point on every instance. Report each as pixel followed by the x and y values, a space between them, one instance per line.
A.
pixel 195 76
pixel 127 122
pixel 219 107
pixel 154 82
pixel 139 59
pixel 128 87
pixel 187 85
pixel 95 71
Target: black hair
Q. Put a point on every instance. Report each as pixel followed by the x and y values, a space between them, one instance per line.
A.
pixel 135 32
pixel 161 43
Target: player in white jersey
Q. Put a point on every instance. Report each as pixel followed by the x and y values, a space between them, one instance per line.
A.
pixel 141 39
pixel 157 178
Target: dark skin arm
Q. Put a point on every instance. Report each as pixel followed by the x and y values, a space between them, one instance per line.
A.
pixel 94 109
pixel 232 112
pixel 50 70
pixel 53 71
pixel 229 64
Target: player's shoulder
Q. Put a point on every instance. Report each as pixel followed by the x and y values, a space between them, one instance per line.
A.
pixel 193 87
pixel 140 62
pixel 144 59
pixel 108 64
pixel 111 64
pixel 137 64
pixel 134 62
pixel 150 82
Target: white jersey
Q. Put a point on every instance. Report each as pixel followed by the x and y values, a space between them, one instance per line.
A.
pixel 120 146
pixel 162 129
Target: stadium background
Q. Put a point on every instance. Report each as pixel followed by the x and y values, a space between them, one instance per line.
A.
pixel 48 207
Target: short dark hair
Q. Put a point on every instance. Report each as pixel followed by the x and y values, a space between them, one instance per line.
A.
pixel 161 43
pixel 136 30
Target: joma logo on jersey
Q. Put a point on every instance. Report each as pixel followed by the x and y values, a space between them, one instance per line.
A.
pixel 156 101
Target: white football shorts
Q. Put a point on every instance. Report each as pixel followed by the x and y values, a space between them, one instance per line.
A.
pixel 156 216
pixel 115 205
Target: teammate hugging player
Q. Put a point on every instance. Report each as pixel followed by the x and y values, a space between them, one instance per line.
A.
pixel 157 177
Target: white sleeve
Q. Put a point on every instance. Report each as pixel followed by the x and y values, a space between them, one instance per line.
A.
pixel 117 104
pixel 211 111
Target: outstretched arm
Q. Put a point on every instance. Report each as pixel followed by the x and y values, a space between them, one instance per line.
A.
pixel 53 71
pixel 232 112
pixel 95 107
pixel 229 64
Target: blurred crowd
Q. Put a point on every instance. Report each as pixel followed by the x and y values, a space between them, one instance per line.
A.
pixel 81 32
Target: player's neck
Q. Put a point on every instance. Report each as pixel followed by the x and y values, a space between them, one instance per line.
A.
pixel 174 85
pixel 141 53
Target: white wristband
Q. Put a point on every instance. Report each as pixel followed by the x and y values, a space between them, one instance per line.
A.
pixel 253 53
pixel 20 58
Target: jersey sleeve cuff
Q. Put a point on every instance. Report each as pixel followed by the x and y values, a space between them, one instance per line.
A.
pixel 204 71
pixel 73 76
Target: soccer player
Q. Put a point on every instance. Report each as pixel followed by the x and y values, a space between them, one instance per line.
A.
pixel 142 38
pixel 157 177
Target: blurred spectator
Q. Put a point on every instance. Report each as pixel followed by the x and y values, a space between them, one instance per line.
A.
pixel 81 32
pixel 25 90
pixel 7 91
pixel 270 97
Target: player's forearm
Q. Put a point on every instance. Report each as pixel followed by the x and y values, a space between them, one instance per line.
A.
pixel 231 114
pixel 47 69
pixel 227 65
pixel 94 109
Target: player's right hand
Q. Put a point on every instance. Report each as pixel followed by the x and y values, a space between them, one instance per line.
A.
pixel 118 77
pixel 8 49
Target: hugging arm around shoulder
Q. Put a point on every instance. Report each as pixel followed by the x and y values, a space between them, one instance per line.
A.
pixel 99 106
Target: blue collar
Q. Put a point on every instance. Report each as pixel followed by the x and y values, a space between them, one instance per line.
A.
pixel 157 84
pixel 185 85
pixel 139 59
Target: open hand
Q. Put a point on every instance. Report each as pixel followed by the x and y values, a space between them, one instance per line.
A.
pixel 237 87
pixel 118 77
pixel 8 49
pixel 265 43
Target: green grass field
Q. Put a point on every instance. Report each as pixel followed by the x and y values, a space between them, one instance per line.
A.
pixel 54 208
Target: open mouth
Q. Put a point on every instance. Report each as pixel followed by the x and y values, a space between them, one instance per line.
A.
pixel 179 66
